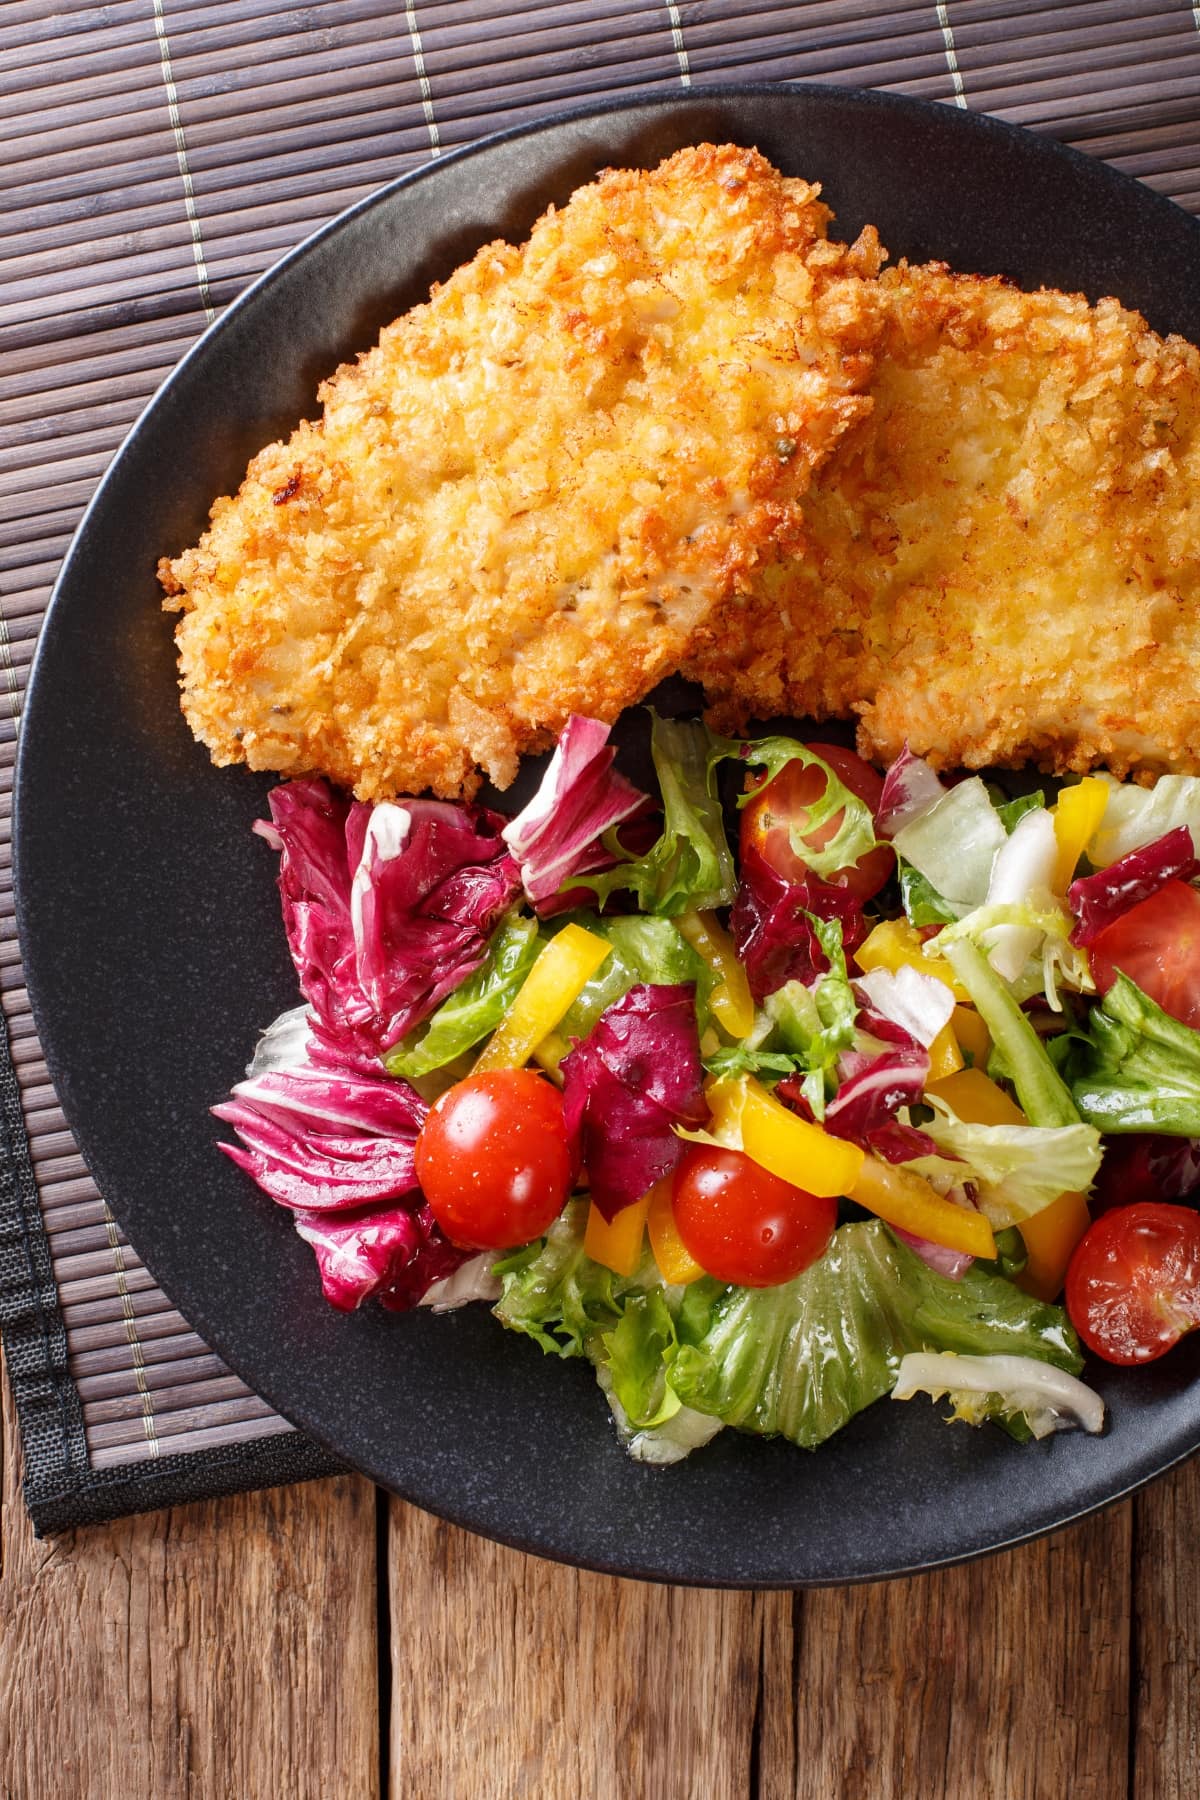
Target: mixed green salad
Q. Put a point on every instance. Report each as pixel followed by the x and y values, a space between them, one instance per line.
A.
pixel 763 1136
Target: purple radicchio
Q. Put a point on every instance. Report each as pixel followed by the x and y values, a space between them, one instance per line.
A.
pixel 910 788
pixel 320 1140
pixel 558 835
pixel 387 908
pixel 394 1252
pixel 772 936
pixel 336 1148
pixel 628 1084
pixel 1097 900
pixel 886 1070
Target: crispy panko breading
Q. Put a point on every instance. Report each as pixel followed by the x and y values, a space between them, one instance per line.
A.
pixel 527 499
pixel 1003 562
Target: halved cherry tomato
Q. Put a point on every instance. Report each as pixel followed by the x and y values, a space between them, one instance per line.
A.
pixel 781 805
pixel 1157 944
pixel 493 1159
pixel 1133 1287
pixel 744 1224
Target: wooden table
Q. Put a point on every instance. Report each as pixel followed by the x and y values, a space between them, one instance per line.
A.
pixel 325 1643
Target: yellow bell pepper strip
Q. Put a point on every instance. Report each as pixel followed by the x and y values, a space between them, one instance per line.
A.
pixel 1050 1235
pixel 550 1052
pixel 945 1057
pixel 676 1264
pixel 1077 818
pixel 907 1200
pixel 976 1100
pixel 894 944
pixel 972 1035
pixel 731 1000
pixel 562 969
pixel 617 1243
pixel 780 1141
pixel 1050 1239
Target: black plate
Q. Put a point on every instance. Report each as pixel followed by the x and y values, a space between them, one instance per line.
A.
pixel 151 935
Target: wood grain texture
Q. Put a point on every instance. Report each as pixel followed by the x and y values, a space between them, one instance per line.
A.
pixel 1166 1639
pixel 516 1677
pixel 1003 1680
pixel 222 1651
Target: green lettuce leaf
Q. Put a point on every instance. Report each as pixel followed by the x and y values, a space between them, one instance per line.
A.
pixel 639 1351
pixel 1044 1096
pixel 800 1360
pixel 1139 1069
pixel 558 1296
pixel 475 1009
pixel 1019 1169
pixel 855 834
pixel 1012 811
pixel 922 903
pixel 690 865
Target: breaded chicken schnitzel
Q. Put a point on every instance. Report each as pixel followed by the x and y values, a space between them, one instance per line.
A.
pixel 529 497
pixel 1002 563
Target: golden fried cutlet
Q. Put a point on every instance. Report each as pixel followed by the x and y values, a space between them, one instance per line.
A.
pixel 1003 561
pixel 529 496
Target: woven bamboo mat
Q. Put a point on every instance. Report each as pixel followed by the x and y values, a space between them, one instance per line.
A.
pixel 155 155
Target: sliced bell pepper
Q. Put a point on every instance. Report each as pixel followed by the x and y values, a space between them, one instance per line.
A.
pixel 617 1243
pixel 945 1057
pixel 788 1146
pixel 550 1052
pixel 908 1201
pixel 1050 1239
pixel 1077 817
pixel 894 944
pixel 562 969
pixel 976 1099
pixel 972 1035
pixel 731 1000
pixel 676 1264
pixel 1050 1235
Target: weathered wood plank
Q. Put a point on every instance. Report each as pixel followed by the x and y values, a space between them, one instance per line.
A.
pixel 1166 1635
pixel 512 1676
pixel 1006 1679
pixel 214 1650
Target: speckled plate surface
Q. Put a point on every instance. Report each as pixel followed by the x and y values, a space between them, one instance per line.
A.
pixel 151 936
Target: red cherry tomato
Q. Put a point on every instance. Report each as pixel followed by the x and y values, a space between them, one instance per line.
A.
pixel 1157 944
pixel 743 1224
pixel 781 805
pixel 1133 1285
pixel 493 1159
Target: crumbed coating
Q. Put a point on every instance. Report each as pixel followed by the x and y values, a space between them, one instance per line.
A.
pixel 1002 563
pixel 529 498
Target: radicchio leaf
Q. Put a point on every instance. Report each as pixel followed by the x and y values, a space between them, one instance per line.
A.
pixel 558 835
pixel 391 1251
pixel 319 1141
pixel 1097 900
pixel 387 909
pixel 919 1004
pixel 910 787
pixel 1145 1166
pixel 876 1079
pixel 628 1084
pixel 773 937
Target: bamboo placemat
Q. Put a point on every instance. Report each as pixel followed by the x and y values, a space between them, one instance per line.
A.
pixel 155 155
